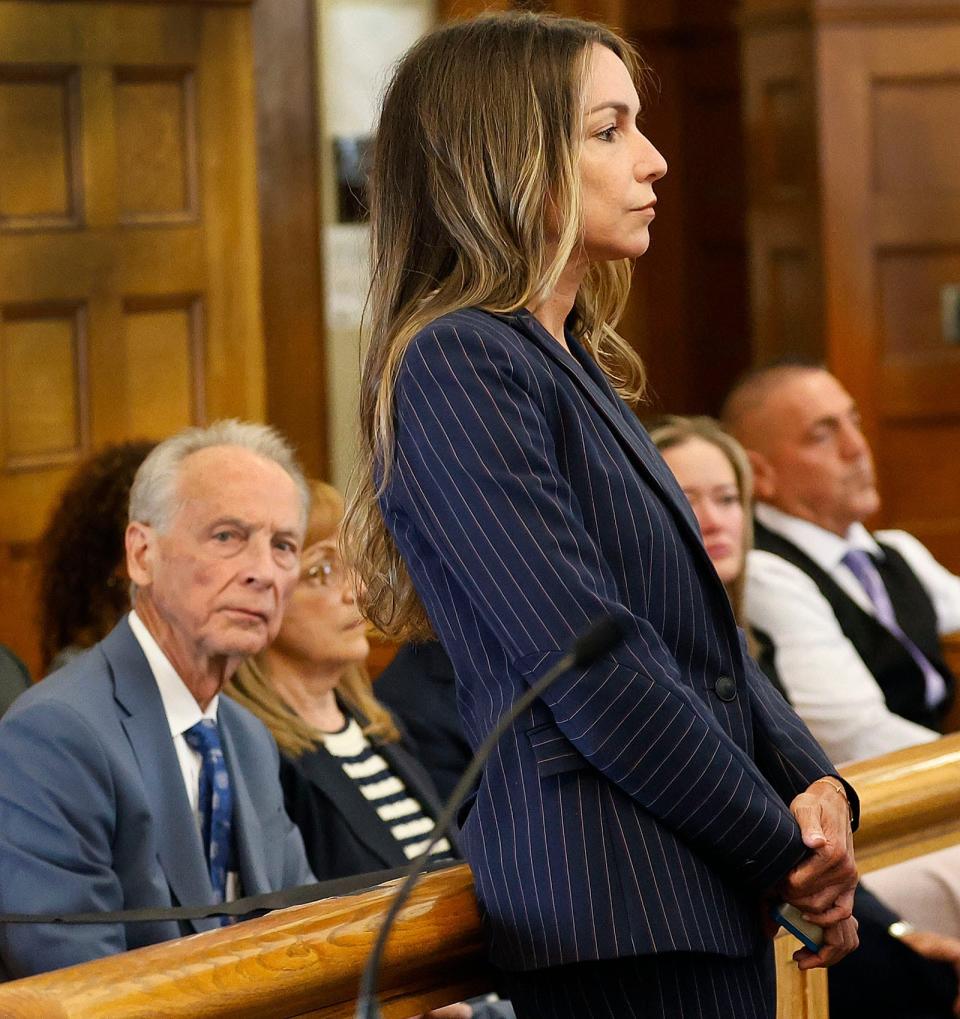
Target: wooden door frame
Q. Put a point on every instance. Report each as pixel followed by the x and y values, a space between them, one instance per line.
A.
pixel 288 178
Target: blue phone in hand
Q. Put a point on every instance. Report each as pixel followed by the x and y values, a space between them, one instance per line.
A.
pixel 808 934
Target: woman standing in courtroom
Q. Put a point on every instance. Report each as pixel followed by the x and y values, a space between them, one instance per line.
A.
pixel 633 823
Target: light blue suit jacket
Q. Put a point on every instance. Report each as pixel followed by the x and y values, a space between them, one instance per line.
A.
pixel 94 814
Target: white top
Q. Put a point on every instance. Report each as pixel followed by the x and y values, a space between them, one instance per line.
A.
pixel 183 712
pixel 826 680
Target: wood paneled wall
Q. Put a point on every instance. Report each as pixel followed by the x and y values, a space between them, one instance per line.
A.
pixel 689 309
pixel 853 114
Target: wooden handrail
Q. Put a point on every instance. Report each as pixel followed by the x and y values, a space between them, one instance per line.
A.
pixel 306 960
pixel 909 802
pixel 301 961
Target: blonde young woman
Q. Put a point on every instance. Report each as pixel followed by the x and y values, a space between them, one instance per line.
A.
pixel 714 472
pixel 631 823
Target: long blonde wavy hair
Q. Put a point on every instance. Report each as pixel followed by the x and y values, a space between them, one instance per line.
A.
pixel 479 137
pixel 251 686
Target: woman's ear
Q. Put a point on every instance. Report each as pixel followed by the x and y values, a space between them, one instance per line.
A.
pixel 764 476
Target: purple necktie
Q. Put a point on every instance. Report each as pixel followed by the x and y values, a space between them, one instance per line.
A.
pixel 859 563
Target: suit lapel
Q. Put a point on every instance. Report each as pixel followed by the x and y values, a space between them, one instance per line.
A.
pixel 356 811
pixel 626 428
pixel 178 841
pixel 248 831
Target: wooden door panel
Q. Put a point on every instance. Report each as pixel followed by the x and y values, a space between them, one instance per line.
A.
pixel 914 108
pixel 783 223
pixel 155 118
pixel 44 396
pixel 889 109
pixel 912 152
pixel 129 271
pixel 39 155
pixel 45 406
pixel 164 355
pixel 922 454
pixel 909 283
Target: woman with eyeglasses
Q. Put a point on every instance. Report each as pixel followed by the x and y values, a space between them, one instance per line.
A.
pixel 360 799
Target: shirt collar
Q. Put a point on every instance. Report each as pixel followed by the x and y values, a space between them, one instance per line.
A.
pixel 824 547
pixel 179 705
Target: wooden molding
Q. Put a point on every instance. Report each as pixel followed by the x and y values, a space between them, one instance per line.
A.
pixel 284 33
pixel 770 13
pixel 180 3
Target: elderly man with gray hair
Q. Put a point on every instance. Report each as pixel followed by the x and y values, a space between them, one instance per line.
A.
pixel 127 780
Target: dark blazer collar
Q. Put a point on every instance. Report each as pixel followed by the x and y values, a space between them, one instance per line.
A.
pixel 325 771
pixel 587 374
pixel 145 722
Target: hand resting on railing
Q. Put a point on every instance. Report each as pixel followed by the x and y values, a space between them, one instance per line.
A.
pixel 822 885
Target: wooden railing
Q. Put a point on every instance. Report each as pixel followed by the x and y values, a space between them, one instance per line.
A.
pixel 302 961
pixel 909 802
pixel 306 961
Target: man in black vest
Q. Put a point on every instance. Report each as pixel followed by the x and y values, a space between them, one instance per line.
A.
pixel 864 683
pixel 853 619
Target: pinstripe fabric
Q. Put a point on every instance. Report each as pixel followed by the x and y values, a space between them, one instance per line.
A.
pixel 673 985
pixel 632 810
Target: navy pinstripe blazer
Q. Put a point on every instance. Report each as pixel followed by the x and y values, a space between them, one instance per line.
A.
pixel 632 810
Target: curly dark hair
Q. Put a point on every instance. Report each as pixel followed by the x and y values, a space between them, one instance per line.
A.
pixel 82 595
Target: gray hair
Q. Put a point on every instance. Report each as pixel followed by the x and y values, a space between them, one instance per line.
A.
pixel 152 494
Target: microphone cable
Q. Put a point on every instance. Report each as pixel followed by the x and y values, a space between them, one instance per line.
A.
pixel 600 636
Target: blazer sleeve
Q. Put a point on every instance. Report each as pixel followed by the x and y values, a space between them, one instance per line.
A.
pixel 481 488
pixel 782 741
pixel 56 830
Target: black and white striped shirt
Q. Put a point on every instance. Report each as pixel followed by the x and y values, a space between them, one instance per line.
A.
pixel 402 813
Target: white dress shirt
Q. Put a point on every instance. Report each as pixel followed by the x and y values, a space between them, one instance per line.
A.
pixel 183 712
pixel 827 681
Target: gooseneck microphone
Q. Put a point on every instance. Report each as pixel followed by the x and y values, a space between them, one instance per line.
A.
pixel 600 636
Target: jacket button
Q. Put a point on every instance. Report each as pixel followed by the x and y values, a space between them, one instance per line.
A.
pixel 726 689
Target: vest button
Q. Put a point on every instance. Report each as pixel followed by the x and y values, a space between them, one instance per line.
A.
pixel 726 689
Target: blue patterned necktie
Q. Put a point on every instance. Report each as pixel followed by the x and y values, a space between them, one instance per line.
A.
pixel 859 563
pixel 215 802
